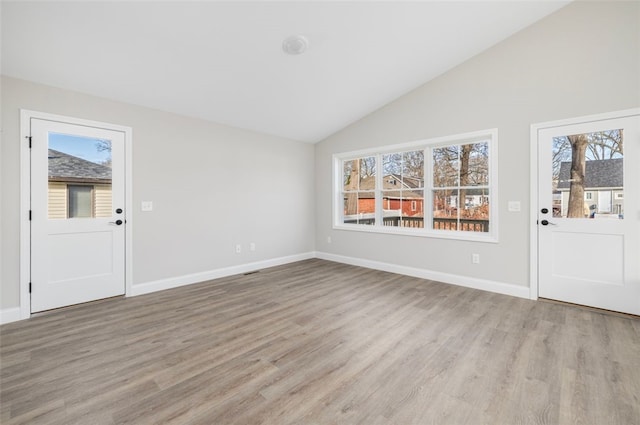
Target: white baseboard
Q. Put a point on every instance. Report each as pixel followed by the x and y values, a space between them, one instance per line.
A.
pixel 469 282
pixel 174 282
pixel 14 314
pixel 9 315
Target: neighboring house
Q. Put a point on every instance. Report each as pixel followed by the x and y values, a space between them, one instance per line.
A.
pixel 402 196
pixel 77 187
pixel 603 189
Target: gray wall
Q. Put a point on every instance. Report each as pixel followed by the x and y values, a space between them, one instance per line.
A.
pixel 212 186
pixel 584 59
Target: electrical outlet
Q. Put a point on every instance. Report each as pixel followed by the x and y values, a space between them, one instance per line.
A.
pixel 328 239
pixel 146 206
pixel 252 246
pixel 238 249
pixel 475 258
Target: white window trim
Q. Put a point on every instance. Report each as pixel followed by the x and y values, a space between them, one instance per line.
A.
pixel 427 144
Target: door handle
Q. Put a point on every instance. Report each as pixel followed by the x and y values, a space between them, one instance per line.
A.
pixel 117 222
pixel 547 222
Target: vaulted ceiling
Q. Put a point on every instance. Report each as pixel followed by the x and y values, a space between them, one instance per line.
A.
pixel 223 61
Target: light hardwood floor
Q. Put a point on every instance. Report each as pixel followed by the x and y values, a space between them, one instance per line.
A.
pixel 317 342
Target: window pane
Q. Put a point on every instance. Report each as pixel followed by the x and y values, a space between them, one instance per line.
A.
pixel 80 201
pixel 587 175
pixel 445 166
pixel 359 207
pixel 359 174
pixel 413 168
pixel 478 164
pixel 349 175
pixel 368 173
pixel 392 164
pixel 474 216
pixel 445 209
pixel 80 162
pixel 403 208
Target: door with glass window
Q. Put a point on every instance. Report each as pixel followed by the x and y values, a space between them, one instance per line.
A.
pixel 589 213
pixel 77 214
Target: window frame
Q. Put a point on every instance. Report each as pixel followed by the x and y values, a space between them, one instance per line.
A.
pixel 489 135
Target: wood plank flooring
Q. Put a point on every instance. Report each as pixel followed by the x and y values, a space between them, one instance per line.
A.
pixel 317 343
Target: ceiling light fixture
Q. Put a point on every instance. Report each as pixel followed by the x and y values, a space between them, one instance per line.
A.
pixel 295 44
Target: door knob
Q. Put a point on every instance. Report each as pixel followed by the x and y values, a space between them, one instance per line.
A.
pixel 117 222
pixel 546 222
pixel 544 210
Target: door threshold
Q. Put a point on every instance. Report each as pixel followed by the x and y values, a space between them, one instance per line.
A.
pixel 592 309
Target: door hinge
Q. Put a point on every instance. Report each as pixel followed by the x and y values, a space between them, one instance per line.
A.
pixel 29 137
pixel 29 215
pixel 29 287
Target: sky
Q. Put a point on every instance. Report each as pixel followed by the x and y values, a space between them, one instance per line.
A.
pixel 82 147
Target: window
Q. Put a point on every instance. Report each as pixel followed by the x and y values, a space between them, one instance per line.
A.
pixel 442 188
pixel 80 201
pixel 588 196
pixel 359 182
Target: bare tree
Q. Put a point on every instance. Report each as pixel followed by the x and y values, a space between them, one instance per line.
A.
pixel 578 144
pixel 465 153
pixel 605 145
pixel 579 149
pixel 352 173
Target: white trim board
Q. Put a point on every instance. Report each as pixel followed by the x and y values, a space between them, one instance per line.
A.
pixel 9 315
pixel 175 282
pixel 468 282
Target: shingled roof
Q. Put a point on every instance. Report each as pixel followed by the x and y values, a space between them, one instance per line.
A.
pixel 598 173
pixel 69 168
pixel 393 184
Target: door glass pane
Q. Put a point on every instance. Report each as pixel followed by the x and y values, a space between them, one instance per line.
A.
pixel 79 177
pixel 588 175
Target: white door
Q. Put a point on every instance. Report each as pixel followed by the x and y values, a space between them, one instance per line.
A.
pixel 77 214
pixel 588 254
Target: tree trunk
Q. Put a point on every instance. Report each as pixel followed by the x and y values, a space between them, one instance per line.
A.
pixel 465 152
pixel 352 184
pixel 576 189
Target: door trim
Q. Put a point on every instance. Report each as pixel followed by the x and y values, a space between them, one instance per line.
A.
pixel 533 176
pixel 25 198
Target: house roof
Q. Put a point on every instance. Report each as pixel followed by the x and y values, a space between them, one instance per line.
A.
pixel 393 186
pixel 598 173
pixel 65 167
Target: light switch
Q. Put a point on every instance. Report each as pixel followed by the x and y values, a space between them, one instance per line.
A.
pixel 513 206
pixel 147 206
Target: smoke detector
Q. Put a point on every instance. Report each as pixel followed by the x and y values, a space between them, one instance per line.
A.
pixel 295 44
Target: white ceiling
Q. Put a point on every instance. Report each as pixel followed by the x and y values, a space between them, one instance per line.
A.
pixel 223 62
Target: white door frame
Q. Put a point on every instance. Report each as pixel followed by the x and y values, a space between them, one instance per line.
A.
pixel 533 232
pixel 25 198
